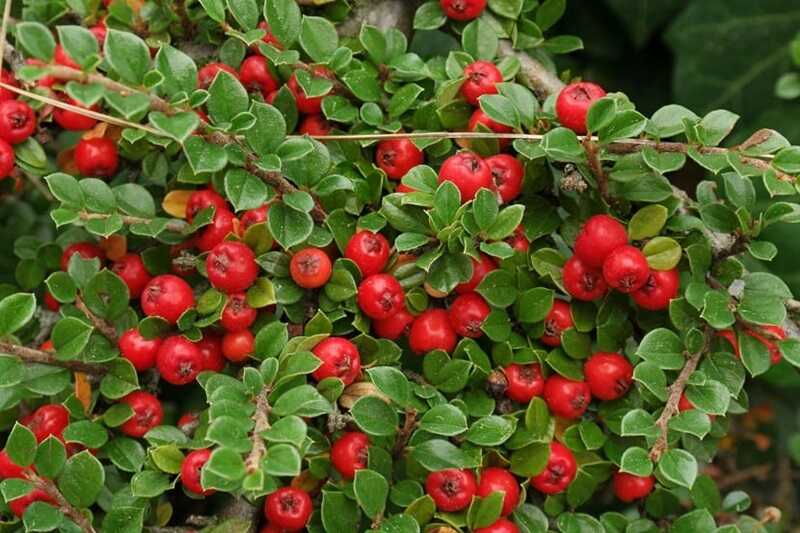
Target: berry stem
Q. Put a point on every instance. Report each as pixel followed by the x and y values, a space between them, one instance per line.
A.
pixel 261 420
pixel 34 356
pixel 99 324
pixel 675 391
pixel 65 507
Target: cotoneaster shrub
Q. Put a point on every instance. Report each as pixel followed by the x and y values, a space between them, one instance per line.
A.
pixel 223 323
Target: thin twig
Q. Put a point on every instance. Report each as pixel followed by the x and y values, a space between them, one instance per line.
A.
pixel 99 324
pixel 405 432
pixel 261 424
pixel 34 356
pixel 174 225
pixel 596 166
pixel 65 507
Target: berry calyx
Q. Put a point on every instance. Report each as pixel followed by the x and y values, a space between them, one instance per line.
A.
pixel 178 360
pixel 380 296
pixel 573 103
pixel 599 236
pixel 628 487
pixel 523 382
pixel 626 269
pixel 482 78
pixel 566 398
pixel 237 346
pixel 237 314
pixel 288 508
pixel 397 156
pixel 432 331
pixel 583 282
pixel 168 297
pixel 495 479
pixel 147 413
pixel 207 74
pixel 468 172
pixel 467 314
pixel 202 199
pixel 192 469
pixel 17 121
pixel 395 326
pixel 254 74
pixel 609 375
pixel 137 349
pixel 503 525
pixel 86 250
pixel 463 9
pixel 340 359
pixel 479 270
pixel 7 159
pixel 97 157
pixel 369 251
pixel 559 472
pixel 349 453
pixel 659 290
pixel 452 489
pixel 231 267
pixel 558 319
pixel 310 268
pixel 130 268
pixel 507 173
pixel 49 419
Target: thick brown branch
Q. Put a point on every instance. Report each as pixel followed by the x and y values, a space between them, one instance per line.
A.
pixel 674 397
pixel 34 356
pixel 261 420
pixel 175 225
pixel 99 324
pixel 65 507
pixel 531 72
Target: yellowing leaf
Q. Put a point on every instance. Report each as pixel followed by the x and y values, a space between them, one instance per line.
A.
pixel 83 390
pixel 115 246
pixel 175 202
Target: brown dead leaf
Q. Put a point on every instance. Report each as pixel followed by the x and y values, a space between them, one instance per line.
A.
pixel 175 202
pixel 83 390
pixel 115 246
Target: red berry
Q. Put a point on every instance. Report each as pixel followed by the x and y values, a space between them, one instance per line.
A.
pixel 210 347
pixel 51 303
pixel 479 270
pixel 684 404
pixel 141 352
pixel 289 508
pixel 17 121
pixel 559 472
pixel 503 525
pixel 213 234
pixel 628 487
pixel 369 251
pixel 237 346
pixel 253 217
pixel 147 413
pixel 380 296
pixel 202 199
pixel 566 398
pixel 207 74
pixel 394 327
pixel 479 117
pixel 573 103
pixel 349 453
pixel 340 359
pixel 507 173
pixel 61 57
pixel 626 269
pixel 462 9
pixel 188 422
pixel 99 31
pixel 231 267
pixel 467 314
pixel 432 331
pixel 558 319
pixel 49 419
pixel 167 296
pixel 403 188
pixel 310 268
pixel 519 241
pixel 583 282
pixel 609 375
pixel 495 479
pixel 6 159
pixel 482 78
pixel 659 289
pixel 131 269
pixel 191 471
pixel 524 382
pixel 19 505
pixel 42 81
pixel 452 489
pixel 767 336
pixel 305 104
pixel 255 75
pixel 468 172
pixel 271 528
pixel 70 120
pixel 10 469
pixel 237 314
pixel 269 38
pixel 599 236
pixel 8 78
pixel 97 157
pixel 179 360
pixel 86 250
pixel 315 125
pixel 397 156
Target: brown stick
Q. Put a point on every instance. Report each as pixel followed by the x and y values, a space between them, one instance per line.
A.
pixel 175 225
pixel 34 356
pixel 261 419
pixel 99 324
pixel 596 167
pixel 405 432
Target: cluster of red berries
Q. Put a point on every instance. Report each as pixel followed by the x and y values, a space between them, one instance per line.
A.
pixel 501 173
pixel 17 123
pixel 603 258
